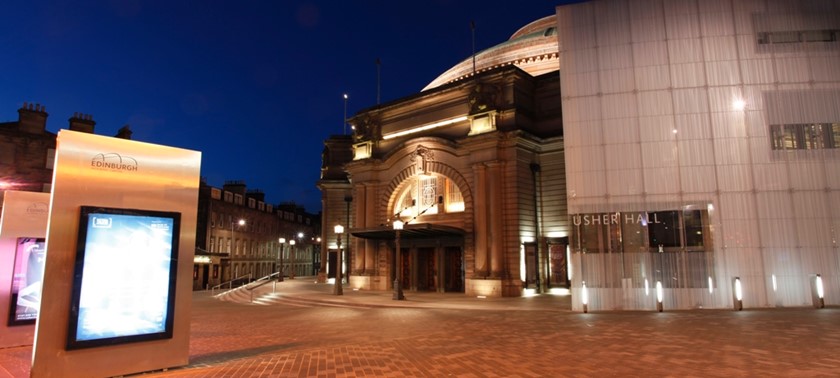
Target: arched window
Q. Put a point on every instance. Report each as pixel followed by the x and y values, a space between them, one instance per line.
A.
pixel 429 194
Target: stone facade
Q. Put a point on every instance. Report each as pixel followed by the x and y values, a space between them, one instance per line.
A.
pixel 27 148
pixel 467 166
pixel 238 237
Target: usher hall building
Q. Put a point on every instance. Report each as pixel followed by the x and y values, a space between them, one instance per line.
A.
pixel 644 154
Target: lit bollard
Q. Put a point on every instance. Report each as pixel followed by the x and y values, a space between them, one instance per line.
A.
pixel 738 295
pixel 584 297
pixel 817 291
pixel 660 295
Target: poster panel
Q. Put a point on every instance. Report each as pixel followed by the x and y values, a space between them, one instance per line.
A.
pixel 124 278
pixel 27 276
pixel 98 323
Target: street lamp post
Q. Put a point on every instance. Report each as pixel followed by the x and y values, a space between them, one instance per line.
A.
pixel 241 223
pixel 339 229
pixel 292 257
pixel 398 293
pixel 282 242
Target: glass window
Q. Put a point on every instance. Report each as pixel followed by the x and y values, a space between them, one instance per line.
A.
pixel 694 233
pixel 805 136
pixel 454 198
pixel 686 245
pixel 785 37
pixel 428 195
pixel 664 229
pixel 819 36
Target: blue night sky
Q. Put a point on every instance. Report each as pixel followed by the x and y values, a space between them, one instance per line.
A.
pixel 256 86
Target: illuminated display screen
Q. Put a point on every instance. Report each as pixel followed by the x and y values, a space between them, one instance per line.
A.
pixel 124 277
pixel 28 274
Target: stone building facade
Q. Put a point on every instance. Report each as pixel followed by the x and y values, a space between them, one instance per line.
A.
pixel 239 237
pixel 474 167
pixel 27 148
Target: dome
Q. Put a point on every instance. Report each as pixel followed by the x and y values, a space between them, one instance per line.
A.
pixel 533 48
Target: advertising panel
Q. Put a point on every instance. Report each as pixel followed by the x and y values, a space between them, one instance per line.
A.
pixel 124 277
pixel 28 273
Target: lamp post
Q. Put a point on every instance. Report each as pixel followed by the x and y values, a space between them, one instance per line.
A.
pixel 298 257
pixel 292 243
pixel 316 253
pixel 339 229
pixel 398 293
pixel 241 223
pixel 345 114
pixel 282 242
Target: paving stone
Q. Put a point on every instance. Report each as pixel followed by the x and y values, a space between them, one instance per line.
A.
pixel 315 334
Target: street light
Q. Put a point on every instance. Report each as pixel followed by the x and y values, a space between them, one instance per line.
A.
pixel 292 257
pixel 398 293
pixel 241 223
pixel 339 229
pixel 282 242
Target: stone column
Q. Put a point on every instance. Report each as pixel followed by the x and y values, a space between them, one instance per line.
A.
pixel 481 225
pixel 370 221
pixel 495 217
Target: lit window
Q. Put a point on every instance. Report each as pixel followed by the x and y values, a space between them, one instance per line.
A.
pixel 812 136
pixel 797 36
pixel 454 198
pixel 428 195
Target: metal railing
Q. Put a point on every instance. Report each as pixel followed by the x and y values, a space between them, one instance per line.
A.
pixel 259 282
pixel 230 283
pixel 248 285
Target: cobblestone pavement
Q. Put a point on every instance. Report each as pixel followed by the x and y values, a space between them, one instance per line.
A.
pixel 305 332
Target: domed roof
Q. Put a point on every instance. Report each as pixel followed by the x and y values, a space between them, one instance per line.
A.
pixel 533 48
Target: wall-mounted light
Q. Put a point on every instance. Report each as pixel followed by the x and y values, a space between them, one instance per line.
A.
pixel 647 287
pixel 424 127
pixel 739 104
pixel 738 294
pixel 773 278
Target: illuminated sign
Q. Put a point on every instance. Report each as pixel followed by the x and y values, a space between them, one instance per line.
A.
pixel 202 260
pixel 25 299
pixel 615 218
pixel 124 278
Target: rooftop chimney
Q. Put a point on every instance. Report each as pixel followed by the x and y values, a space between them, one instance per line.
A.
pixel 124 132
pixel 32 118
pixel 235 186
pixel 82 123
pixel 256 194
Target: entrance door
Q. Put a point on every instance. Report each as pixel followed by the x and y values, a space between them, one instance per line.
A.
pixel 453 274
pixel 558 267
pixel 331 263
pixel 205 276
pixel 426 270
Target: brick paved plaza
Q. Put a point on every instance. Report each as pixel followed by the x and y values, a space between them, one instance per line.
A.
pixel 306 332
